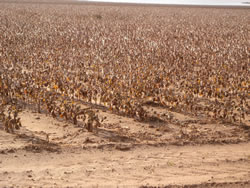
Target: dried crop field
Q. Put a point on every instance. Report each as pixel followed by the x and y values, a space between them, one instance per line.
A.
pixel 85 76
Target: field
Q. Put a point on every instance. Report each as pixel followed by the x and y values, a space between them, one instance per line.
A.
pixel 97 95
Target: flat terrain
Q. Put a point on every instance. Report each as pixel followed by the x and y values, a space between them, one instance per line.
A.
pixel 73 157
pixel 169 85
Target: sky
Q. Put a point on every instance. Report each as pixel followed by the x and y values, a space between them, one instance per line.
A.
pixel 189 2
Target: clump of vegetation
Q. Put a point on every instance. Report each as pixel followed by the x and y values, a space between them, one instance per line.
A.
pixel 9 116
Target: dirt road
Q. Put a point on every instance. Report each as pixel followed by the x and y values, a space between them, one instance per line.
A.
pixel 173 165
pixel 49 152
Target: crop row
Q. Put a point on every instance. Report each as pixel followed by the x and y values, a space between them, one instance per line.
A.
pixel 188 60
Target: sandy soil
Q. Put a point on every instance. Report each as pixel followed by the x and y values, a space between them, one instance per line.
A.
pixel 176 150
pixel 187 165
pixel 124 153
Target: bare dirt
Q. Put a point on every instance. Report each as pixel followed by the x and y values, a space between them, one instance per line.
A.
pixel 125 153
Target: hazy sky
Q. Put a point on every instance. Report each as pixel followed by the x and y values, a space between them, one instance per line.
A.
pixel 190 2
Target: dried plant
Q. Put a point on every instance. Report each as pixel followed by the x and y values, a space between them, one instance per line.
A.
pixel 123 59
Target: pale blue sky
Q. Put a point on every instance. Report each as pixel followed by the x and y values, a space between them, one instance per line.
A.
pixel 190 2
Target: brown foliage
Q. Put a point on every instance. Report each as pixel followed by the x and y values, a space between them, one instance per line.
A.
pixel 122 59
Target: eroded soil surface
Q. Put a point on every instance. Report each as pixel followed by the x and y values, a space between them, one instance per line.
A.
pixel 125 153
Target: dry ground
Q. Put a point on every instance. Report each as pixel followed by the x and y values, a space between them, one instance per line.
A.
pixel 187 151
pixel 125 153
